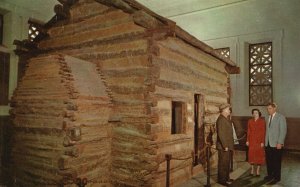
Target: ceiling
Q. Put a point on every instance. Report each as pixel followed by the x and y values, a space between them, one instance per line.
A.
pixel 173 8
pixel 39 7
pixel 167 8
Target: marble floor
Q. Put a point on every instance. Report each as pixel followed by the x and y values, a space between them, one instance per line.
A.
pixel 290 173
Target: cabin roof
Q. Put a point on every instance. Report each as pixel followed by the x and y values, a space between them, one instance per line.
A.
pixel 132 7
pixel 145 17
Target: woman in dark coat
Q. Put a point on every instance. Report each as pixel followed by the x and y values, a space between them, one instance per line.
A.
pixel 255 140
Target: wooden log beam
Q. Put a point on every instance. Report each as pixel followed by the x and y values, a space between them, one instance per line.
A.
pixel 39 130
pixel 145 20
pixel 60 12
pixel 72 151
pixel 118 4
pixel 68 174
pixel 25 44
pixel 67 2
pixel 232 69
pixel 68 142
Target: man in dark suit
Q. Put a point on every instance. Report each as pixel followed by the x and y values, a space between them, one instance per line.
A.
pixel 275 134
pixel 224 144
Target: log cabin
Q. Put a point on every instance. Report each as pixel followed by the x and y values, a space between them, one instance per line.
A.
pixel 108 89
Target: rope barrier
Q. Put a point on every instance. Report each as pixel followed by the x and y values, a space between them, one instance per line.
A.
pixel 174 158
pixel 207 149
pixel 168 158
pixel 241 137
pixel 80 182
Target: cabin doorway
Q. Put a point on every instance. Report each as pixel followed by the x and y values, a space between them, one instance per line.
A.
pixel 199 139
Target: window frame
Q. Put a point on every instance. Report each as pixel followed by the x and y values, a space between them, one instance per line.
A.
pixel 271 74
pixel 182 125
pixel 1 28
pixel 4 73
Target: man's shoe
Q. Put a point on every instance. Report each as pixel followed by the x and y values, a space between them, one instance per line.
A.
pixel 274 181
pixel 225 183
pixel 268 178
pixel 230 180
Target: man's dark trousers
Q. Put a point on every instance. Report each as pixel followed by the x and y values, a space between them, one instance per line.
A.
pixel 223 166
pixel 273 159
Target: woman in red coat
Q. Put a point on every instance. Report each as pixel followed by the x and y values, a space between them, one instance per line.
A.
pixel 255 141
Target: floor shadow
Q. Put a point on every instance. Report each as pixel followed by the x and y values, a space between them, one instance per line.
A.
pixel 289 173
pixel 246 180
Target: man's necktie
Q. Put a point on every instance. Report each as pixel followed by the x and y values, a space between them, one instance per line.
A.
pixel 270 121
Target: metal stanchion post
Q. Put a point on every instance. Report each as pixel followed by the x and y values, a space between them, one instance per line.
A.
pixel 208 165
pixel 231 161
pixel 168 159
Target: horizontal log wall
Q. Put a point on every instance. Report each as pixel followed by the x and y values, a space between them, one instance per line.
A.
pixel 109 38
pixel 38 113
pixel 61 131
pixel 142 77
pixel 88 134
pixel 183 72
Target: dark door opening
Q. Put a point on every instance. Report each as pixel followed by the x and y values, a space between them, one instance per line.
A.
pixel 199 139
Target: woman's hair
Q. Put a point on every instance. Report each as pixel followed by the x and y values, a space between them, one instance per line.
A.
pixel 255 109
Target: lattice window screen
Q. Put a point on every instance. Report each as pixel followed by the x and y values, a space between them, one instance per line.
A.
pixel 32 32
pixel 224 52
pixel 260 74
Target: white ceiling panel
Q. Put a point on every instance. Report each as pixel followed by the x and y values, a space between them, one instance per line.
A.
pixel 167 8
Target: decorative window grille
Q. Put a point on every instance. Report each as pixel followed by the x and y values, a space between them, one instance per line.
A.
pixel 260 74
pixel 32 32
pixel 225 52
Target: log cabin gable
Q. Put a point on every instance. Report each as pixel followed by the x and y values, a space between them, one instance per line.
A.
pixel 155 23
pixel 141 16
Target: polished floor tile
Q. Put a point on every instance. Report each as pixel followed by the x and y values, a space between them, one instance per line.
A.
pixel 290 173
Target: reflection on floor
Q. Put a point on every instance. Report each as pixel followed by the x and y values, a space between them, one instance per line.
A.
pixel 290 173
